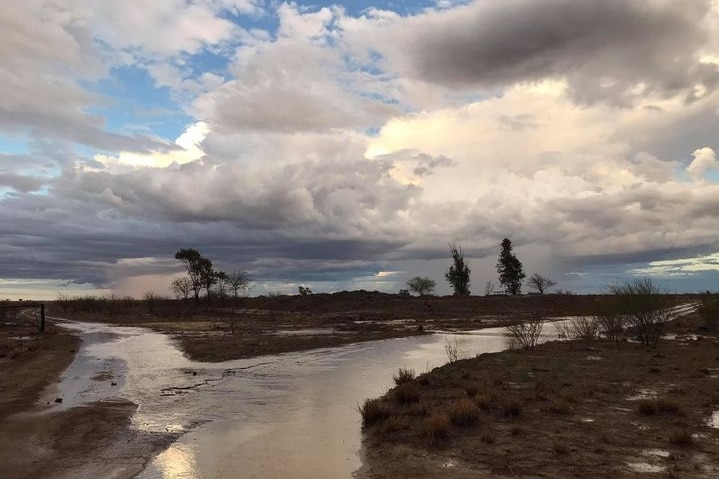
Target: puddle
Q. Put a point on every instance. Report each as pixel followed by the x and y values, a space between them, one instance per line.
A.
pixel 305 332
pixel 656 453
pixel 714 420
pixel 643 394
pixel 646 467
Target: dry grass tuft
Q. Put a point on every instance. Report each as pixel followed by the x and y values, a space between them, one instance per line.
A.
pixel 436 428
pixel 403 376
pixel 471 391
pixel 488 437
pixel 407 393
pixel 374 411
pixel 463 413
pixel 681 437
pixel 560 448
pixel 650 407
pixel 559 407
pixel 393 424
pixel 646 407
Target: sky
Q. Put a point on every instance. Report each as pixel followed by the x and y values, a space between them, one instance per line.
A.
pixel 344 146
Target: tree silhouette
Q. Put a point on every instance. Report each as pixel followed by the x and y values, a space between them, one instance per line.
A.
pixel 458 272
pixel 509 269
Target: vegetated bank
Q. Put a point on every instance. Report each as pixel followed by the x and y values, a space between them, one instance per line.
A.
pixel 592 408
pixel 226 328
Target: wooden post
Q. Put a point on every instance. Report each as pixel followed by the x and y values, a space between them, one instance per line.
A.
pixel 42 317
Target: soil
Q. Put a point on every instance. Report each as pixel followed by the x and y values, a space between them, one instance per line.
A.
pixel 251 327
pixel 37 441
pixel 603 410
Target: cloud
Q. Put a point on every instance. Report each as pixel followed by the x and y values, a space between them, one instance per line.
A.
pixel 704 161
pixel 614 51
pixel 21 183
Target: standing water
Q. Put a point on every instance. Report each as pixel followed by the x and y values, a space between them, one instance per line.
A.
pixel 292 415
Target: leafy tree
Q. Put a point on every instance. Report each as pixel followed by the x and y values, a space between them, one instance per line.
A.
pixel 191 258
pixel 421 286
pixel 458 272
pixel 304 290
pixel 181 287
pixel 207 275
pixel 509 269
pixel 540 283
pixel 239 281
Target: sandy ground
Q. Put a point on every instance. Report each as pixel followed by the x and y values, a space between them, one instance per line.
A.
pixel 35 441
pixel 579 415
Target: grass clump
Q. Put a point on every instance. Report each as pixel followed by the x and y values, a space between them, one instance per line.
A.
pixel 374 411
pixel 393 424
pixel 403 376
pixel 681 437
pixel 650 407
pixel 463 413
pixel 407 393
pixel 559 407
pixel 436 428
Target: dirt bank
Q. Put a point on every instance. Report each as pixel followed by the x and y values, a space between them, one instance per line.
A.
pixel 46 441
pixel 561 410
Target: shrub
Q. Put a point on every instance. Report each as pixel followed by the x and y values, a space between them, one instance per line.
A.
pixel 423 379
pixel 611 326
pixel 404 375
pixel 407 393
pixel 708 310
pixel 525 334
pixel 436 428
pixel 583 328
pixel 374 411
pixel 463 413
pixel 644 306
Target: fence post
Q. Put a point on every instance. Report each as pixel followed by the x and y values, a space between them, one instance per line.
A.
pixel 42 317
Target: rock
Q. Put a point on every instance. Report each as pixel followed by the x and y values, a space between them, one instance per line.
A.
pixel 58 400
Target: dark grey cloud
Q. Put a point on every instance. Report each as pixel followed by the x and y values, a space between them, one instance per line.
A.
pixel 605 48
pixel 21 183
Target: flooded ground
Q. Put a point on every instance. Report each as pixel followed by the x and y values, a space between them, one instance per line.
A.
pixel 292 415
pixel 274 416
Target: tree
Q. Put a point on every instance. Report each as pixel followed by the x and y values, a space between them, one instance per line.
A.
pixel 239 281
pixel 207 275
pixel 509 269
pixel 304 290
pixel 489 287
pixel 421 286
pixel 458 273
pixel 191 259
pixel 222 281
pixel 540 283
pixel 181 287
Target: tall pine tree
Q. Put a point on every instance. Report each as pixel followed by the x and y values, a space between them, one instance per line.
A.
pixel 509 269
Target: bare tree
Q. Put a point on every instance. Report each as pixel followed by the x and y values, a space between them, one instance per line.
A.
pixel 489 287
pixel 222 284
pixel 540 283
pixel 181 288
pixel 239 282
pixel 421 286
